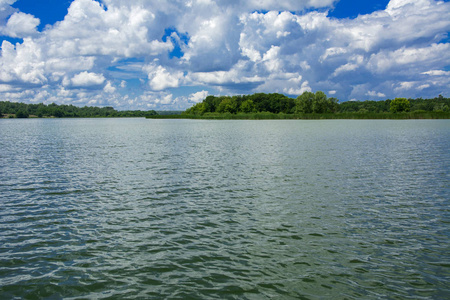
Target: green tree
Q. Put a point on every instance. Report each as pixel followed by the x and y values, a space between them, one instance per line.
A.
pixel 211 103
pixel 200 108
pixel 305 103
pixel 40 112
pixel 58 113
pixel 319 105
pixel 440 107
pixel 22 114
pixel 400 105
pixel 332 105
pixel 227 105
pixel 247 106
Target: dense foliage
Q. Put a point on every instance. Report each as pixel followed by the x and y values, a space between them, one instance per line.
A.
pixel 400 105
pixel 317 103
pixel 274 103
pixel 22 110
pixel 311 103
pixel 438 104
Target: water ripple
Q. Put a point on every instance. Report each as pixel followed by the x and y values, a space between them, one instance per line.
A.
pixel 178 209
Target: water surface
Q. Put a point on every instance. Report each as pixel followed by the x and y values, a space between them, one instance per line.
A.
pixel 196 209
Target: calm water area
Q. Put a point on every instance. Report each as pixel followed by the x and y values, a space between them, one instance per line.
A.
pixel 198 209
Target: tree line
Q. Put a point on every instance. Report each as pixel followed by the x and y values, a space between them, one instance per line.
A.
pixel 273 103
pixel 437 104
pixel 23 110
pixel 305 104
pixel 311 103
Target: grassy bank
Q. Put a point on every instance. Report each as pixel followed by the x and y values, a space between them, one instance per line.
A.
pixel 329 116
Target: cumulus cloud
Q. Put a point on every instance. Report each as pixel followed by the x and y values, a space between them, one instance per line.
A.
pixel 23 63
pixel 121 49
pixel 239 77
pixel 21 25
pixel 109 88
pixel 160 78
pixel 90 29
pixel 198 97
pixel 385 60
pixel 87 79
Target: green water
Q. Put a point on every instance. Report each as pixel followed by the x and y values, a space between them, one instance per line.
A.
pixel 195 209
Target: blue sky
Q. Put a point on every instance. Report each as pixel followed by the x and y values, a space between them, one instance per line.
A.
pixel 352 8
pixel 48 11
pixel 168 55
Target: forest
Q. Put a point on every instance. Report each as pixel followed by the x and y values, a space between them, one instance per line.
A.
pixel 311 104
pixel 22 110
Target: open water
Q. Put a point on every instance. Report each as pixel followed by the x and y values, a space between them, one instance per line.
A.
pixel 194 209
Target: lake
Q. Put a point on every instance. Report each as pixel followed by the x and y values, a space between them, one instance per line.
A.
pixel 198 209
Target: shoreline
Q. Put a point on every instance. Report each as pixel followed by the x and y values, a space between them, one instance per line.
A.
pixel 330 116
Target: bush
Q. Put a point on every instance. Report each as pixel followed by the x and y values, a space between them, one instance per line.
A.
pixel 400 105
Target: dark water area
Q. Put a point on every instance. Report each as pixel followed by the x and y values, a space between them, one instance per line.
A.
pixel 195 209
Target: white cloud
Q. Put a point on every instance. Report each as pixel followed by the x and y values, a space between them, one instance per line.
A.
pixel 406 85
pixel 305 66
pixel 375 94
pixel 298 91
pixel 69 64
pixel 423 86
pixel 399 6
pixel 271 59
pixel 89 29
pixel 168 99
pixel 333 51
pixel 236 76
pixel 109 88
pixel 289 5
pixel 386 60
pixel 87 79
pixel 437 73
pixel 160 78
pixel 198 97
pixel 6 2
pixel 22 63
pixel 250 52
pixel 158 100
pixel 7 88
pixel 345 68
pixel 21 25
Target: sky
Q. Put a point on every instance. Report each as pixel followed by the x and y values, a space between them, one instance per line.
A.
pixel 169 55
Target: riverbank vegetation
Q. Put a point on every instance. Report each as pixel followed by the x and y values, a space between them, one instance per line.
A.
pixel 22 110
pixel 313 106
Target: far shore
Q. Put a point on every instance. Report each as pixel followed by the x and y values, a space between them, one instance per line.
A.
pixel 328 116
